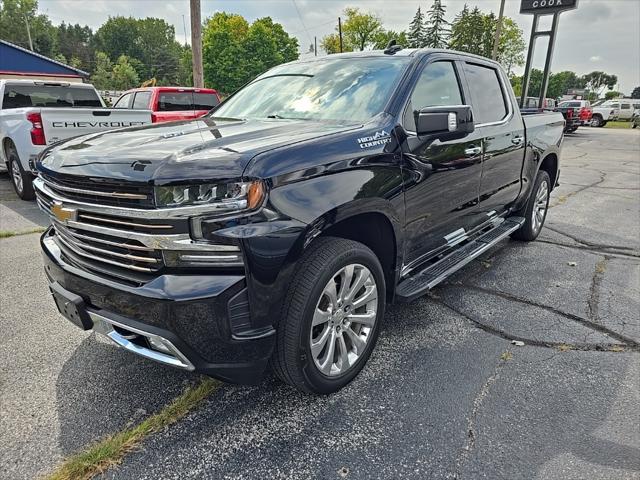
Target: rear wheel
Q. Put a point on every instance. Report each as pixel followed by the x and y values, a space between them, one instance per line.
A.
pixel 535 211
pixel 331 317
pixel 22 181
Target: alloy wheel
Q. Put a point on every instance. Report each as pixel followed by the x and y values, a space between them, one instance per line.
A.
pixel 344 319
pixel 17 176
pixel 540 206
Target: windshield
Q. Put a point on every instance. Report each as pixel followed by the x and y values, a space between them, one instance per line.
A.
pixel 19 96
pixel 343 89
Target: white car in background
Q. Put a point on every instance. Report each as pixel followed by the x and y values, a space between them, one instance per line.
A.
pixel 35 114
pixel 615 109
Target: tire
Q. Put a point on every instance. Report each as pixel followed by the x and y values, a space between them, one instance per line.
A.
pixel 596 121
pixel 328 262
pixel 22 181
pixel 535 211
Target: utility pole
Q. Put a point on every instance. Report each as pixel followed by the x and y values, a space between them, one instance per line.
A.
pixel 196 43
pixel 340 32
pixel 26 21
pixel 496 40
pixel 315 46
pixel 184 27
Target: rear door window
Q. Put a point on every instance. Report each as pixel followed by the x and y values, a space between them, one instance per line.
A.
pixel 141 101
pixel 124 101
pixel 204 101
pixel 20 96
pixel 487 97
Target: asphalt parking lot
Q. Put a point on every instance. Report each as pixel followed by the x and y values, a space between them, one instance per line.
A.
pixel 446 393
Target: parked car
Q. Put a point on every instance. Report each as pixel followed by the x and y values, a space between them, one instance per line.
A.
pixel 170 103
pixel 571 117
pixel 277 227
pixel 534 102
pixel 34 114
pixel 584 109
pixel 616 109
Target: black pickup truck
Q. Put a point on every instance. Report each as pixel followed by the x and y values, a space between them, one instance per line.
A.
pixel 274 230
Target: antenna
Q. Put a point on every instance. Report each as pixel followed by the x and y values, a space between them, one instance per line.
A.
pixel 184 26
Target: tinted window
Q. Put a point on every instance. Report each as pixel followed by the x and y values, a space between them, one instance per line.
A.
pixel 204 101
pixel 141 102
pixel 343 89
pixel 488 100
pixel 18 96
pixel 570 104
pixel 626 106
pixel 123 101
pixel 175 101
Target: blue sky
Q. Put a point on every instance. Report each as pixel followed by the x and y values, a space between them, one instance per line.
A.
pixel 599 35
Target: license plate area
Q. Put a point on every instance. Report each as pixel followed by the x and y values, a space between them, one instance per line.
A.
pixel 71 306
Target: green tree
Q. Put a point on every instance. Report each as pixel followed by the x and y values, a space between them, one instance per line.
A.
pixel 385 36
pixel 613 94
pixel 102 76
pixel 235 52
pixel 331 44
pixel 511 46
pixel 75 41
pixel 14 17
pixel 359 31
pixel 149 43
pixel 436 31
pixel 124 76
pixel 185 74
pixel 60 58
pixel 561 82
pixel 635 93
pixel 597 81
pixel 416 34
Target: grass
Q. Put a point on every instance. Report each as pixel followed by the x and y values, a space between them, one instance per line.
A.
pixel 626 125
pixel 11 233
pixel 506 356
pixel 110 451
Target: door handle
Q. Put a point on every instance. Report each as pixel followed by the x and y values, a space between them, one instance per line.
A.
pixel 472 151
pixel 517 140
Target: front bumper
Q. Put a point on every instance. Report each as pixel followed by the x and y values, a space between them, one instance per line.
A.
pixel 189 316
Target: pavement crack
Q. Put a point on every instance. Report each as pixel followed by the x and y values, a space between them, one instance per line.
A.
pixel 563 346
pixel 626 342
pixel 594 290
pixel 562 199
pixel 472 434
pixel 585 248
pixel 591 245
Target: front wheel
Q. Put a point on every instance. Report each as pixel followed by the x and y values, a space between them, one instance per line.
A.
pixel 535 211
pixel 331 316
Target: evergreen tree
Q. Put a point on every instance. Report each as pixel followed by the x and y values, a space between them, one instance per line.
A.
pixel 436 32
pixel 416 35
pixel 459 37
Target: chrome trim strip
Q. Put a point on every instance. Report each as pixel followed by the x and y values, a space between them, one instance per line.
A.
pixel 208 258
pixel 77 251
pixel 132 196
pixel 121 222
pixel 69 238
pixel 155 213
pixel 104 326
pixel 59 226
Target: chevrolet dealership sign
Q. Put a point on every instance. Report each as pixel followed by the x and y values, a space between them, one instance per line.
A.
pixel 543 7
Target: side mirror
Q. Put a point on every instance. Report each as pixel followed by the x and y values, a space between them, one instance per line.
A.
pixel 447 122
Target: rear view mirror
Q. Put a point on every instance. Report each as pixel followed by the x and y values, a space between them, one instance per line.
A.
pixel 454 121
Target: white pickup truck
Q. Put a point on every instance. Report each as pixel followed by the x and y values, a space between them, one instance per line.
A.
pixel 35 114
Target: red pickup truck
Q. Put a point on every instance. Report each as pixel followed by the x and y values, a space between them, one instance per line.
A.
pixel 170 103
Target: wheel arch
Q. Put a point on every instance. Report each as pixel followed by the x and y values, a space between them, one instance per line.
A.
pixel 550 165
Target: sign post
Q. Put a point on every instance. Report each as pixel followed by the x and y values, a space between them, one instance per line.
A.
pixel 538 8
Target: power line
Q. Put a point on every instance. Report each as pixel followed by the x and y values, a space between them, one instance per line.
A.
pixel 302 21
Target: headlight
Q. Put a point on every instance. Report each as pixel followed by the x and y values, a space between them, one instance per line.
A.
pixel 223 197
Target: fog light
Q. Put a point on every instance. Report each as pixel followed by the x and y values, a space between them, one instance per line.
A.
pixel 158 344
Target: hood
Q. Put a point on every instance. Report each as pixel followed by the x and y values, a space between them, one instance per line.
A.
pixel 201 149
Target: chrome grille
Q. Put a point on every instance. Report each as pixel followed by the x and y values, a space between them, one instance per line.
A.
pixel 100 191
pixel 85 243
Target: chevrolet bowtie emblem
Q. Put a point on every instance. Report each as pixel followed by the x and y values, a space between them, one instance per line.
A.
pixel 62 213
